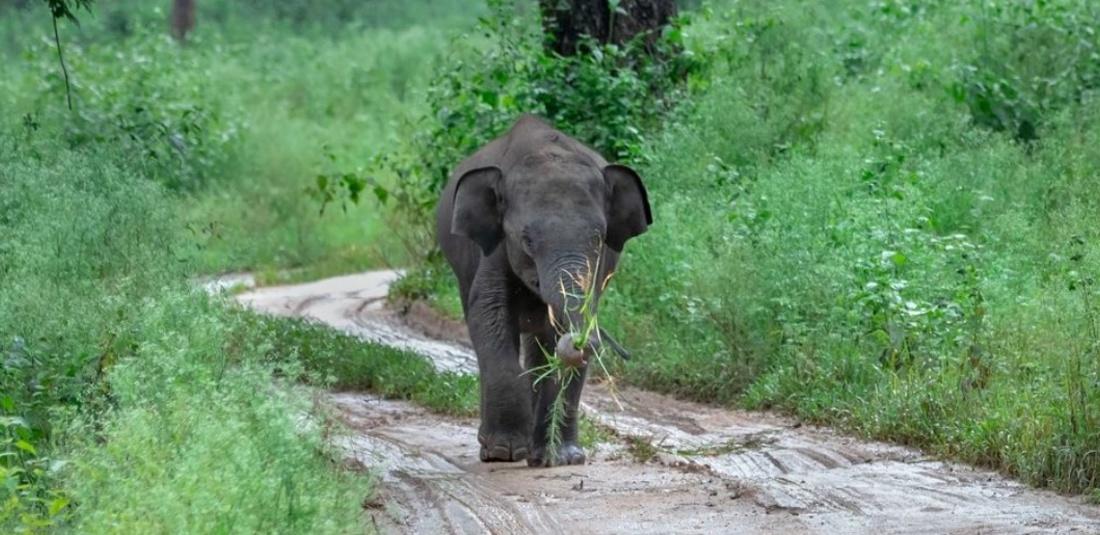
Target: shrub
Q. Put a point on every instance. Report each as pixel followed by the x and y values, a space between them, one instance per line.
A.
pixel 109 362
pixel 150 104
pixel 606 96
pixel 898 268
pixel 1031 59
pixel 82 240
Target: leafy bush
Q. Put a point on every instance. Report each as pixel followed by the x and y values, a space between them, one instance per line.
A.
pixel 238 118
pixel 108 359
pixel 606 96
pixel 147 100
pixel 1032 58
pixel 200 439
pixel 893 267
pixel 110 362
pixel 78 245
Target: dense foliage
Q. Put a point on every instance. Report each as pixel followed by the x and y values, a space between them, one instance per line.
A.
pixel 883 216
pixel 880 215
pixel 110 365
pixel 608 95
pixel 130 401
pixel 876 215
pixel 251 108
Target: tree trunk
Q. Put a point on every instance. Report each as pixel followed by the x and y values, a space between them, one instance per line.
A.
pixel 566 21
pixel 182 18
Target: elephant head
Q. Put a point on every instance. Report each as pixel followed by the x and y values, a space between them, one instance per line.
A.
pixel 562 223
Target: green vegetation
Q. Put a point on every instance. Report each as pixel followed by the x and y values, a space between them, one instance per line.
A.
pixel 610 97
pixel 879 215
pixel 872 215
pixel 340 361
pixel 129 401
pixel 883 216
pixel 244 116
pixel 145 402
pixel 124 393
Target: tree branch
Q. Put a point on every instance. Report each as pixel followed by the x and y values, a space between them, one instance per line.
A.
pixel 65 70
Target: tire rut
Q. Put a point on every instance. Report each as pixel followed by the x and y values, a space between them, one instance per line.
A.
pixel 714 470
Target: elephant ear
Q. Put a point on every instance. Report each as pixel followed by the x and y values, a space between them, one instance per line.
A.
pixel 476 208
pixel 629 213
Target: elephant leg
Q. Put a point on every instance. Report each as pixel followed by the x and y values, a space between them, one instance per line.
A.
pixel 568 451
pixel 504 433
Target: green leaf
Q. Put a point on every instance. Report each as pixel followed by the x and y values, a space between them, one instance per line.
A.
pixel 355 186
pixel 382 193
pixel 489 97
pixel 57 504
pixel 26 446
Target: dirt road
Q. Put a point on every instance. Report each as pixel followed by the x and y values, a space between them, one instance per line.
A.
pixel 667 466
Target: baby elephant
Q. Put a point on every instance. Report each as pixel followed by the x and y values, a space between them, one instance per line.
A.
pixel 532 223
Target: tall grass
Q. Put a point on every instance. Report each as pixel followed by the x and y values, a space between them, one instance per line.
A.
pixel 876 215
pixel 341 105
pixel 133 402
pixel 842 233
pixel 137 412
pixel 130 402
pixel 246 115
pixel 199 439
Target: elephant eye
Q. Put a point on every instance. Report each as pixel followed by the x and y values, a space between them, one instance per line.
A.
pixel 528 244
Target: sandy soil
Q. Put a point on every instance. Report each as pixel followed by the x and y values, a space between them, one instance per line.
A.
pixel 667 466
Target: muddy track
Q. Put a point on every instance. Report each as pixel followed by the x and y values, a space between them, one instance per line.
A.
pixel 668 466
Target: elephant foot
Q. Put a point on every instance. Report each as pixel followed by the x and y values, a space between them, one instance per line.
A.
pixel 503 448
pixel 568 453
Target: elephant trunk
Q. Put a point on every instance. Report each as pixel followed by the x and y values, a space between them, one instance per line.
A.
pixel 571 291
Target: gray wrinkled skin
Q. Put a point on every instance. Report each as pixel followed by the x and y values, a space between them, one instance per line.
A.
pixel 525 223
